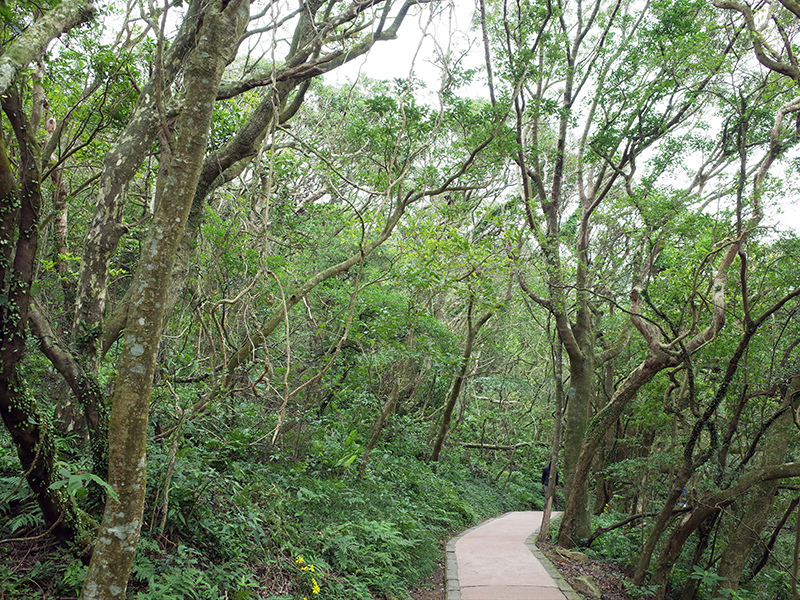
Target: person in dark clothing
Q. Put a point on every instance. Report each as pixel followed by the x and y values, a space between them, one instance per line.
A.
pixel 546 481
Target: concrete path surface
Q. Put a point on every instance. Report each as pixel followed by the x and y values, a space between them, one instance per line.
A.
pixel 498 560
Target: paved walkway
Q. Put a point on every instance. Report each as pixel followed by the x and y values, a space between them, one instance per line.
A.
pixel 498 560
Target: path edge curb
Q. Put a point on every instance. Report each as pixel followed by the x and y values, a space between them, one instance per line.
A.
pixel 562 583
pixel 453 590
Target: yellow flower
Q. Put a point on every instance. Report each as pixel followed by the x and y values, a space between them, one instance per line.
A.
pixel 311 568
pixel 299 560
pixel 314 586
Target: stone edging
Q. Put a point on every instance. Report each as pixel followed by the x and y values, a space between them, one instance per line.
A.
pixel 562 583
pixel 453 590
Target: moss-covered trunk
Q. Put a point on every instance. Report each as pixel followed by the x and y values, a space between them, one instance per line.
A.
pixel 20 205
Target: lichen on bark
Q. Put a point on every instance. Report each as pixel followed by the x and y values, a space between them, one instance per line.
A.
pixel 217 39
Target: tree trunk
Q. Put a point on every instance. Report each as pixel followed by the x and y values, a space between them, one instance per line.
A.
pixel 568 533
pixel 31 433
pixel 458 382
pixel 659 527
pixel 712 503
pixel 119 166
pixel 770 545
pixel 757 508
pixel 218 36
pixel 31 44
pixel 691 585
pixel 386 412
pixel 83 385
pixel 558 425
pixel 603 485
pixel 578 411
pixel 796 556
pixel 672 549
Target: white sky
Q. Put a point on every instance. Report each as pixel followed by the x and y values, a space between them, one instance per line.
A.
pixel 418 44
pixel 415 51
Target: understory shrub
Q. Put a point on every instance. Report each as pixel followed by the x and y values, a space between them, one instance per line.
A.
pixel 240 515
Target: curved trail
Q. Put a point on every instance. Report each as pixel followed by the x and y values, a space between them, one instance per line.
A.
pixel 498 560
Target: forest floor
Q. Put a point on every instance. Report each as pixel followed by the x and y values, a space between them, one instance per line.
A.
pixel 610 578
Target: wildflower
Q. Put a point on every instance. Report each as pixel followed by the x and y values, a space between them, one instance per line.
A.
pixel 299 560
pixel 314 586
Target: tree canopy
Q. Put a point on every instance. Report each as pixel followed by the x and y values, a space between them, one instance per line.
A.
pixel 280 334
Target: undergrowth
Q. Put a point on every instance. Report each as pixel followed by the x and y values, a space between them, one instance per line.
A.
pixel 248 519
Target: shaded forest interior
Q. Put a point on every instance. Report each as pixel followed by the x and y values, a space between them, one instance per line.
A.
pixel 265 334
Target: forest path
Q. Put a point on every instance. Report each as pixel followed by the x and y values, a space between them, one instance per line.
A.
pixel 498 560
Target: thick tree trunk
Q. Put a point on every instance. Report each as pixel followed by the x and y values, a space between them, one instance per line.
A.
pixel 119 166
pixel 578 412
pixel 555 448
pixel 32 43
pixel 61 250
pixel 568 533
pixel 221 28
pixel 30 432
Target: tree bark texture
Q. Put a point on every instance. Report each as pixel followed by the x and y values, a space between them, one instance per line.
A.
pixel 555 447
pixel 119 166
pixel 20 205
pixel 217 38
pixel 33 42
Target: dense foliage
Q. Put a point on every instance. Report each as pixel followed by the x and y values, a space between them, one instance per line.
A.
pixel 267 337
pixel 243 510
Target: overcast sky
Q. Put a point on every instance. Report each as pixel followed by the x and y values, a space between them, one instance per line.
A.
pixel 420 41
